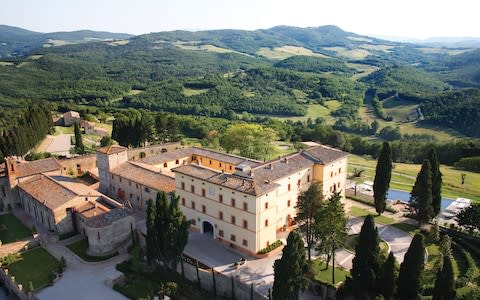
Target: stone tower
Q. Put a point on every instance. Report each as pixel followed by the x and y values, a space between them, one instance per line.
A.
pixel 108 158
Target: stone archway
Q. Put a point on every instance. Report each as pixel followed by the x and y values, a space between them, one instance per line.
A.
pixel 208 229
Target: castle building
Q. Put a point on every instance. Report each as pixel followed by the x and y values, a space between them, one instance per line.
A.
pixel 239 201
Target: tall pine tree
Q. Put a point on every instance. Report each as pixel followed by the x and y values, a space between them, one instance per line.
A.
pixel 151 238
pixel 383 174
pixel 421 195
pixel 445 283
pixel 79 147
pixel 290 270
pixel 309 202
pixel 388 277
pixel 171 229
pixel 410 275
pixel 436 182
pixel 367 261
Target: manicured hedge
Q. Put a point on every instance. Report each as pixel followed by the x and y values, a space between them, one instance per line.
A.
pixel 275 245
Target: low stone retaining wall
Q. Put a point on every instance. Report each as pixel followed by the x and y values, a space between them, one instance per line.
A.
pixel 15 288
pixel 223 284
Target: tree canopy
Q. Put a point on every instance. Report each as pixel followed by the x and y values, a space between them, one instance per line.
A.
pixel 383 174
pixel 290 270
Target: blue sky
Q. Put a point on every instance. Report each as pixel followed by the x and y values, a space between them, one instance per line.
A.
pixel 400 18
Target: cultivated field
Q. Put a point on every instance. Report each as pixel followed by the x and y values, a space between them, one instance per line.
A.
pixel 349 53
pixel 280 53
pixel 404 175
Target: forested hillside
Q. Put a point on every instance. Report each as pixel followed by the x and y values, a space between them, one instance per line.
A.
pixel 255 76
pixel 16 41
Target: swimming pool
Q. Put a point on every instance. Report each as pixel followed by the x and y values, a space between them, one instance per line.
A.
pixel 394 195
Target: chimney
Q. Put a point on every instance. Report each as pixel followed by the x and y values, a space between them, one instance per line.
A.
pixel 11 164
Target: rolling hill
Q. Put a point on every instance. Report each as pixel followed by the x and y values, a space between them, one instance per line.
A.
pixel 282 71
pixel 16 41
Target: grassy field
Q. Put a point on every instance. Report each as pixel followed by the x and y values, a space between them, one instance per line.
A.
pixel 403 177
pixel 404 117
pixel 80 249
pixel 192 92
pixel 349 53
pixel 325 275
pixel 280 53
pixel 361 212
pixel 37 266
pixel 429 50
pixel 11 229
pixel 316 110
pixel 206 47
pixel 384 48
pixel 129 93
pixel 364 69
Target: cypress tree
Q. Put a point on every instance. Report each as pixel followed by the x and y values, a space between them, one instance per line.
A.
pixel 79 147
pixel 171 229
pixel 151 231
pixel 436 182
pixel 409 277
pixel 388 278
pixel 366 264
pixel 445 283
pixel 383 174
pixel 421 195
pixel 290 270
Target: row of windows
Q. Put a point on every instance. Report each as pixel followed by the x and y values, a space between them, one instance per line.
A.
pixel 233 238
pixel 233 219
pixel 334 174
pixel 220 197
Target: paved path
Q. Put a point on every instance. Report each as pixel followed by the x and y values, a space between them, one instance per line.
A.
pixel 82 280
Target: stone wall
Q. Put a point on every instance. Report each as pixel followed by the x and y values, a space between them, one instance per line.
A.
pixel 14 287
pixel 223 283
pixel 107 239
pixel 78 165
pixel 138 153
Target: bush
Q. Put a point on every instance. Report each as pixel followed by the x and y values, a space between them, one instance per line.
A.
pixel 469 164
pixel 270 247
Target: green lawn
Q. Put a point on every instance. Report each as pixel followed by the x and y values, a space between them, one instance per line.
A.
pixel 11 229
pixel 403 177
pixel 325 275
pixel 361 212
pixel 80 249
pixel 37 266
pixel 412 229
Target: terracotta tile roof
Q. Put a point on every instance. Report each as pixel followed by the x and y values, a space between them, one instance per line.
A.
pixel 72 114
pixel 238 183
pixel 38 166
pixel 225 157
pixel 167 156
pixel 111 149
pixel 54 192
pixel 324 154
pixel 145 176
pixel 262 176
pixel 109 217
pixel 47 191
pixel 280 168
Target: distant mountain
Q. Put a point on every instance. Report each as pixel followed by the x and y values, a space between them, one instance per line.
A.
pixel 452 42
pixel 16 41
pixel 313 38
